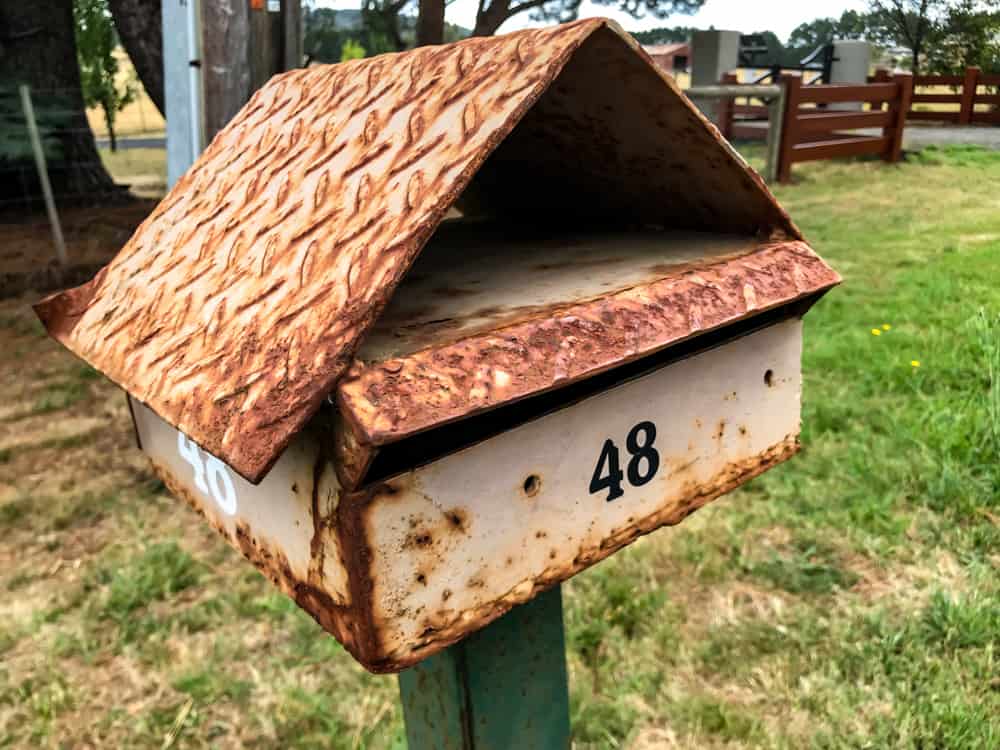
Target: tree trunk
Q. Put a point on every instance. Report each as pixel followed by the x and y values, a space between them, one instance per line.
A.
pixel 491 17
pixel 384 18
pixel 140 28
pixel 38 47
pixel 109 122
pixel 430 23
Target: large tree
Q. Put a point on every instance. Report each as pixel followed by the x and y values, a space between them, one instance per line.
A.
pixel 491 14
pixel 910 23
pixel 430 22
pixel 811 34
pixel 140 29
pixel 99 68
pixel 664 35
pixel 969 34
pixel 38 48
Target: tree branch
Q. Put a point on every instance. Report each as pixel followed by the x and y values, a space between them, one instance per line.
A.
pixel 528 5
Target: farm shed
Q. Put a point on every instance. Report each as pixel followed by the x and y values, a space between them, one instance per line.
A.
pixel 673 58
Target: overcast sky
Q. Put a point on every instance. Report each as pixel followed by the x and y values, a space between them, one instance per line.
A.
pixel 779 16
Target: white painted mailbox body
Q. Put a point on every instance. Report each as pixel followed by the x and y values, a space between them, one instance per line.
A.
pixel 456 542
pixel 412 424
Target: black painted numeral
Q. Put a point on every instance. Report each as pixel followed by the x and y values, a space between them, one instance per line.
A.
pixel 613 479
pixel 642 466
pixel 642 452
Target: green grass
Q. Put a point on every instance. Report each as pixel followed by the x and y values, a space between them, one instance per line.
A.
pixel 60 395
pixel 46 514
pixel 866 572
pixel 131 585
pixel 23 325
pixel 143 168
pixel 847 599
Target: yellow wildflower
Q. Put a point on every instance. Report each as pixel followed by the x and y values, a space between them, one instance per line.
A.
pixel 886 327
pixel 914 363
pixel 876 332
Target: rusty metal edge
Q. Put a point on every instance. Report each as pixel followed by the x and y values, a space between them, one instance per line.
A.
pixel 404 388
pixel 349 624
pixel 350 458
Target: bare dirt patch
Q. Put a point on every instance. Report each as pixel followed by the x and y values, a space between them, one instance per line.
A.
pixel 93 236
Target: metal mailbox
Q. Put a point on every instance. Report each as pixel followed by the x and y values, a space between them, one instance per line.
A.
pixel 425 334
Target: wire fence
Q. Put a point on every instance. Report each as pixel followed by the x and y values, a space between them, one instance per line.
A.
pixel 45 133
pixel 49 158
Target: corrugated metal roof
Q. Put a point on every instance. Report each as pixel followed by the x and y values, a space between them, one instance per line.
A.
pixel 236 306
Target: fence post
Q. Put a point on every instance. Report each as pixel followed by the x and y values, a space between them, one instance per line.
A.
pixel 789 135
pixel 724 111
pixel 881 76
pixel 968 95
pixel 775 116
pixel 43 173
pixel 502 687
pixel 898 111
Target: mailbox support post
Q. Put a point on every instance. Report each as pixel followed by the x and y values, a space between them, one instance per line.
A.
pixel 502 687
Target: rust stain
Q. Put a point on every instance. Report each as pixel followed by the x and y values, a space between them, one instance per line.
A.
pixel 351 458
pixel 236 306
pixel 557 346
pixel 445 627
pixel 348 623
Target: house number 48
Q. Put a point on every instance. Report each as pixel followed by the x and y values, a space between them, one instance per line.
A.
pixel 641 468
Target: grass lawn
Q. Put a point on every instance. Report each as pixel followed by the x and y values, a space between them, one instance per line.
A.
pixel 143 169
pixel 847 599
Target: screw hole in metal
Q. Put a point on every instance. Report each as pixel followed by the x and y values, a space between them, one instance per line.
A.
pixel 532 484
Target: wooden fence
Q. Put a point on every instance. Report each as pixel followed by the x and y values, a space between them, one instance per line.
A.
pixel 813 130
pixel 814 127
pixel 964 97
pixel 745 121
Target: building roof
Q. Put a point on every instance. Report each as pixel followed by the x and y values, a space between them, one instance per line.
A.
pixel 662 50
pixel 238 304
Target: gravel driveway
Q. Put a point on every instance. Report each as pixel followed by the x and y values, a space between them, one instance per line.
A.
pixel 918 136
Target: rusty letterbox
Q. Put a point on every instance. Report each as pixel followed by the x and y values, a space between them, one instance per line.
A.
pixel 424 334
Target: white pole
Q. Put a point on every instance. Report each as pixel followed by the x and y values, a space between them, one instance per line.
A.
pixel 194 72
pixel 43 174
pixel 775 121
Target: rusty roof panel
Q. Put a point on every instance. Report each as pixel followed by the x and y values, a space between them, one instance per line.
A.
pixel 238 303
pixel 389 400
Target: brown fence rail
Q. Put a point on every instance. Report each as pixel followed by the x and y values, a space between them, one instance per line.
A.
pixel 745 121
pixel 813 130
pixel 965 96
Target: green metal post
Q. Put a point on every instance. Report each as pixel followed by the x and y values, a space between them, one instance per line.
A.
pixel 503 687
